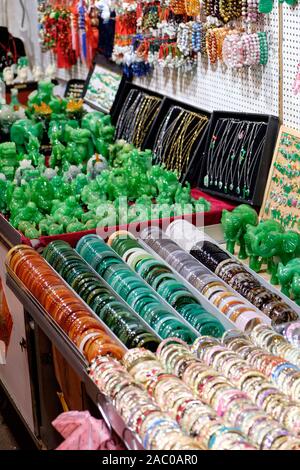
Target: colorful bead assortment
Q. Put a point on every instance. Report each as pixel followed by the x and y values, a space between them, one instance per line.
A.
pixel 169 35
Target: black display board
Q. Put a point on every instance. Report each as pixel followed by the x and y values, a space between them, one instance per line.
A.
pixel 262 165
pixel 124 89
pixel 74 89
pixel 193 169
pixel 103 85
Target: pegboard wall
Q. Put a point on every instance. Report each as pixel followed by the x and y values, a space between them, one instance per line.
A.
pixel 256 90
pixel 216 87
pixel 79 71
pixel 290 60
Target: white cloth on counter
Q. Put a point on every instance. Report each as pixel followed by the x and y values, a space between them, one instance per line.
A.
pixel 21 19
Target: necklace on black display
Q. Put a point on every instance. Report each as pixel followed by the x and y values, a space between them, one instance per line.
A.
pixel 221 125
pixel 230 165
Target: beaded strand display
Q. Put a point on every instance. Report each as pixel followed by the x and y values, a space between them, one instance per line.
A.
pixel 170 34
pixel 136 117
pixel 177 137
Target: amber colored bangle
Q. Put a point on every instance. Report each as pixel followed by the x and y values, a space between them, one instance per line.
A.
pixel 239 311
pixel 222 295
pixel 102 349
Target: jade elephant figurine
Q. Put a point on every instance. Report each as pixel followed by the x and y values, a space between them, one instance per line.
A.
pixel 264 245
pixel 235 224
pixel 295 288
pixel 289 278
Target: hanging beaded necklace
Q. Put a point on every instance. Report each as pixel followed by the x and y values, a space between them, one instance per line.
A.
pixel 236 137
pixel 228 140
pixel 240 162
pixel 221 128
pixel 251 169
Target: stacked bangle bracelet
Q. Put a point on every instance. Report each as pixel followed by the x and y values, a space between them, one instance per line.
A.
pixel 126 325
pixel 174 397
pixel 69 312
pixel 133 289
pixel 160 276
pixel 140 413
pixel 217 292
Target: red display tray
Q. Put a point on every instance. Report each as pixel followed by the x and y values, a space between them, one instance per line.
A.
pixel 14 237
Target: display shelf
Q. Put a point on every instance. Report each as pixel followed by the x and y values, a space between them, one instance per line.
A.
pixel 166 305
pixel 8 233
pixel 76 361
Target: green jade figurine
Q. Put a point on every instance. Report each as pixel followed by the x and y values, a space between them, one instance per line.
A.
pixel 4 189
pixel 29 230
pixel 289 279
pixel 27 136
pixel 42 193
pixel 8 159
pixel 56 135
pixel 268 242
pixel 69 207
pixel 79 145
pixel 44 96
pixel 28 213
pixel 234 225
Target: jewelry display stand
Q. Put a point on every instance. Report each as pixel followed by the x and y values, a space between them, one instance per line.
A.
pixel 199 145
pixel 228 181
pixel 74 89
pixel 282 196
